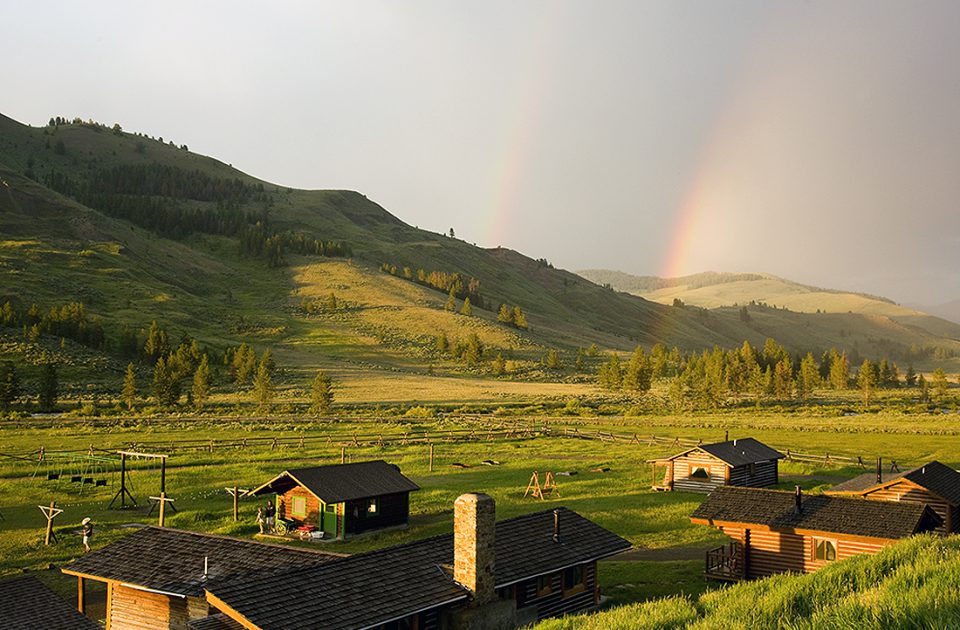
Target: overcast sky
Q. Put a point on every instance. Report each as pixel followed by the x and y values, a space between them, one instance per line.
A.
pixel 816 140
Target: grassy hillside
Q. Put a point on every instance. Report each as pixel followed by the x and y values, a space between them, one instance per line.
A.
pixel 909 585
pixel 129 268
pixel 795 314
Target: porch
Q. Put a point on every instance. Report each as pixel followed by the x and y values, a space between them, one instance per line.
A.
pixel 726 563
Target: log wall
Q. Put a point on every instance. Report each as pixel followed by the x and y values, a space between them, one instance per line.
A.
pixel 684 466
pixel 911 493
pixel 133 609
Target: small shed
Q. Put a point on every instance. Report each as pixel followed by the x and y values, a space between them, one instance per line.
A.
pixel 744 462
pixel 342 499
pixel 933 484
pixel 773 531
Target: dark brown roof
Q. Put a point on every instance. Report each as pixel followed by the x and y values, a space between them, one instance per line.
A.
pixel 343 482
pixel 377 587
pixel 172 561
pixel 826 513
pixel 938 478
pixel 865 482
pixel 741 452
pixel 26 603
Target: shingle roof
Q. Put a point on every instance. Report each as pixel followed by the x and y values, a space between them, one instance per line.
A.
pixel 373 588
pixel 343 482
pixel 742 451
pixel 218 621
pixel 26 603
pixel 938 478
pixel 865 482
pixel 172 560
pixel 820 512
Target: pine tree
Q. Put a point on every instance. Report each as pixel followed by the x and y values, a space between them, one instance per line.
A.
pixel 940 384
pixel 552 360
pixel 48 387
pixel 809 378
pixel 244 364
pixel 783 378
pixel 442 344
pixel 451 304
pixel 867 380
pixel 156 344
pixel 466 310
pixel 200 391
pixel 166 389
pixel 911 377
pixel 9 385
pixel 499 366
pixel 609 374
pixel 321 393
pixel 924 390
pixel 839 370
pixel 331 303
pixel 519 319
pixel 129 392
pixel 505 315
pixel 263 385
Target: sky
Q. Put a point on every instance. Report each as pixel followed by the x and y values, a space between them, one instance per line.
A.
pixel 815 140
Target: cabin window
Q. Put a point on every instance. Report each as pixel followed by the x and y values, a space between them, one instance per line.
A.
pixel 753 469
pixel 373 507
pixel 574 580
pixel 544 585
pixel 699 472
pixel 331 507
pixel 298 507
pixel 824 550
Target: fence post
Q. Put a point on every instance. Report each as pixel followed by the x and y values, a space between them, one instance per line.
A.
pixel 431 456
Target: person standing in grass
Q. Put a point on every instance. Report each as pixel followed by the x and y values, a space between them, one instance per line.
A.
pixel 260 519
pixel 86 532
pixel 270 513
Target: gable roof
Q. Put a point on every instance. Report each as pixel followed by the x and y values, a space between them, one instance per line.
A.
pixel 864 482
pixel 342 482
pixel 734 453
pixel 820 512
pixel 27 603
pixel 172 561
pixel 935 477
pixel 406 579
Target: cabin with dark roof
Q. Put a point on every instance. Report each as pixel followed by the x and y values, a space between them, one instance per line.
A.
pixel 773 531
pixel 744 462
pixel 156 578
pixel 341 500
pixel 26 602
pixel 487 574
pixel 933 484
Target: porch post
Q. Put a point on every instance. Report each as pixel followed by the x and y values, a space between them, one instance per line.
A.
pixel 81 596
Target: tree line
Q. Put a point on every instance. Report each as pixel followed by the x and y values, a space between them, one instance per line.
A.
pixel 69 321
pixel 454 284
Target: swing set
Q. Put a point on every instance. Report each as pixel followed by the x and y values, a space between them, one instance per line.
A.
pixel 85 470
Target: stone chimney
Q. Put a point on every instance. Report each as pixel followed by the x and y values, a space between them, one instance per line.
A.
pixel 474 524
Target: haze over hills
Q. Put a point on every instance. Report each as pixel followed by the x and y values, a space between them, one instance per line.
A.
pixel 142 230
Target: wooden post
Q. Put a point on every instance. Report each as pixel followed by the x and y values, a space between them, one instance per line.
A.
pixel 431 456
pixel 236 499
pixel 163 508
pixel 343 454
pixel 51 513
pixel 81 596
pixel 163 475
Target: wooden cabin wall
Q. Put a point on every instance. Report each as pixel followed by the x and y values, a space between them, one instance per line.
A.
pixel 133 609
pixel 770 552
pixel 910 493
pixel 760 475
pixel 555 604
pixel 683 466
pixel 285 508
pixel 394 510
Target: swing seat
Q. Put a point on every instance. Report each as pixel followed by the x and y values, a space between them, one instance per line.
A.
pixel 52 476
pixel 88 480
pixel 100 482
pixel 76 479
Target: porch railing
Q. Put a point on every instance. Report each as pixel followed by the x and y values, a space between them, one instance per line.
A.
pixel 726 562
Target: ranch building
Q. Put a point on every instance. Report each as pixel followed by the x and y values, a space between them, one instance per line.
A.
pixel 743 462
pixel 773 531
pixel 340 500
pixel 932 484
pixel 487 574
pixel 25 602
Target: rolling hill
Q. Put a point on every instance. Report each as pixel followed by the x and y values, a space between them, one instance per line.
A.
pixel 139 230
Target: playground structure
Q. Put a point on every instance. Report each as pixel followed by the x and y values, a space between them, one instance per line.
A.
pixel 123 493
pixel 538 491
pixel 84 469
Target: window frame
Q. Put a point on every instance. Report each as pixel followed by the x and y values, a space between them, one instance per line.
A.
pixel 293 507
pixel 576 587
pixel 373 507
pixel 547 588
pixel 817 541
pixel 695 469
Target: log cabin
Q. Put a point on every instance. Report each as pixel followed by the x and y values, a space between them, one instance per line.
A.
pixel 487 574
pixel 773 531
pixel 156 577
pixel 744 462
pixel 25 602
pixel 341 500
pixel 933 484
